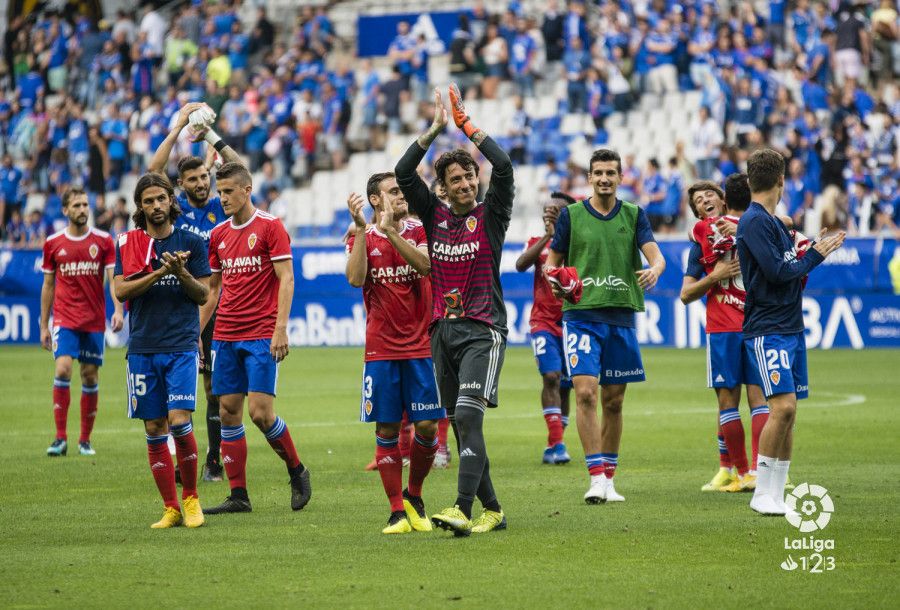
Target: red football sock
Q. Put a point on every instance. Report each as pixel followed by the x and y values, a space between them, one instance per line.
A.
pixel 406 436
pixel 234 458
pixel 163 471
pixel 89 397
pixel 724 458
pixel 758 418
pixel 61 398
pixel 390 467
pixel 733 432
pixel 443 426
pixel 280 440
pixel 421 457
pixel 186 450
pixel 553 418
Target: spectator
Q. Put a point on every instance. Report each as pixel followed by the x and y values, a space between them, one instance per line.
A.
pixel 35 231
pixel 576 61
pixel 552 29
pixel 99 166
pixel 798 197
pixel 393 91
pixel 706 140
pixel 653 193
pixel 10 188
pixel 15 230
pixel 852 50
pixel 179 51
pixel 885 34
pixel 662 77
pixel 401 52
pixel 462 56
pixel 521 59
pixel 495 57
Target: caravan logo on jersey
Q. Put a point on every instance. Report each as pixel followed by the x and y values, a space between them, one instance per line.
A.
pixel 251 241
pixel 93 250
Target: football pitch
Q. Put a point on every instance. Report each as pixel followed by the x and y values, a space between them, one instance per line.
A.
pixel 75 529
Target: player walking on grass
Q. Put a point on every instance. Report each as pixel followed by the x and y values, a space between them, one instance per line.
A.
pixel 602 238
pixel 253 285
pixel 546 335
pixel 74 263
pixel 389 260
pixel 468 326
pixel 163 273
pixel 773 275
pixel 728 368
pixel 200 213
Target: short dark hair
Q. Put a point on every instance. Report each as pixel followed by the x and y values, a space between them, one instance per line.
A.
pixel 373 186
pixel 764 167
pixel 235 171
pixel 459 156
pixel 189 163
pixel 605 154
pixel 653 161
pixel 698 187
pixel 737 192
pixel 72 192
pixel 148 181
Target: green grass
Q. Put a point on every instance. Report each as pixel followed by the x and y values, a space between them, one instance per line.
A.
pixel 75 530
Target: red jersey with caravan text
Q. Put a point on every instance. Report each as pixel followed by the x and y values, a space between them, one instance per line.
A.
pixel 546 312
pixel 725 300
pixel 397 298
pixel 248 304
pixel 80 264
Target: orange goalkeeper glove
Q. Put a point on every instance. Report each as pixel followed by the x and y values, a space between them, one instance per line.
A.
pixel 460 117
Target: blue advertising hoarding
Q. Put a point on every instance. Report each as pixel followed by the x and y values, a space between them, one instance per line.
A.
pixel 849 302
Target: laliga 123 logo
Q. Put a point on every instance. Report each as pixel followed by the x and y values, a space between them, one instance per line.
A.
pixel 809 510
pixel 809 507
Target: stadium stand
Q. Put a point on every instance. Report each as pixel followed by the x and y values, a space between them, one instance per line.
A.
pixel 85 102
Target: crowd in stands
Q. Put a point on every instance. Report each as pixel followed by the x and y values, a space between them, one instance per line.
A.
pixel 87 103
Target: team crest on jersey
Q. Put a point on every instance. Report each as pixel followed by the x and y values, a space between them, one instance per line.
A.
pixel 775 376
pixel 134 402
pixel 573 360
pixel 93 250
pixel 471 223
pixel 211 217
pixel 251 241
pixel 368 407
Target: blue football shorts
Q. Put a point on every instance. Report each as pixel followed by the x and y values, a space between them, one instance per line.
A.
pixel 86 347
pixel 239 367
pixel 610 353
pixel 727 363
pixel 159 383
pixel 781 363
pixel 549 355
pixel 391 387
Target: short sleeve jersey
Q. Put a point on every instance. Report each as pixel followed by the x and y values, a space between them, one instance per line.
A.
pixel 725 300
pixel 245 256
pixel 79 264
pixel 546 312
pixel 200 221
pixel 164 319
pixel 397 298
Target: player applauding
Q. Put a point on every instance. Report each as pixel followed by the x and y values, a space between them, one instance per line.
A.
pixel 390 261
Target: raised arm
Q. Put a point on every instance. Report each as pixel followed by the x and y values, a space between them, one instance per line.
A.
pixel 416 256
pixel 161 156
pixel 416 192
pixel 356 261
pixel 501 190
pixel 771 261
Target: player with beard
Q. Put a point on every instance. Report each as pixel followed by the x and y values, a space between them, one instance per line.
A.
pixel 468 327
pixel 75 261
pixel 200 212
pixel 389 261
pixel 163 273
